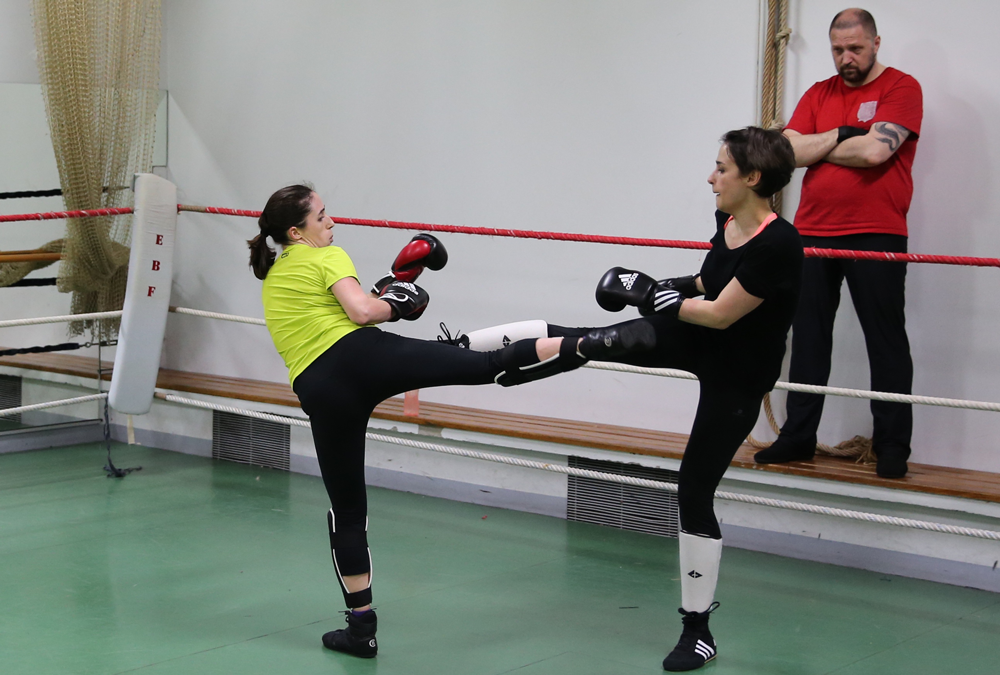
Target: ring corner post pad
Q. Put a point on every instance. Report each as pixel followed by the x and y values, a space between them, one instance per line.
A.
pixel 147 295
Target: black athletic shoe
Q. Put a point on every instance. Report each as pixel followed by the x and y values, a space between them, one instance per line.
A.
pixel 358 638
pixel 605 344
pixel 784 450
pixel 696 646
pixel 891 463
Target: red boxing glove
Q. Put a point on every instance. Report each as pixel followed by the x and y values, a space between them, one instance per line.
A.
pixel 424 250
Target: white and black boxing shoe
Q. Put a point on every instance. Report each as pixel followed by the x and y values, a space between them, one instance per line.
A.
pixel 696 646
pixel 358 638
pixel 611 342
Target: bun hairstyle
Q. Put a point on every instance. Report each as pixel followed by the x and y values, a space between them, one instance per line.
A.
pixel 764 150
pixel 287 208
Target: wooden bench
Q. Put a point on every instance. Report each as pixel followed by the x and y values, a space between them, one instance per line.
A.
pixel 965 483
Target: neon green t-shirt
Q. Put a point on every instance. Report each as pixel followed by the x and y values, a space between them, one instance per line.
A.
pixel 302 314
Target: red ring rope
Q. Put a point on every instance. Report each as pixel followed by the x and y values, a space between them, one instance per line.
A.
pixel 56 215
pixel 532 234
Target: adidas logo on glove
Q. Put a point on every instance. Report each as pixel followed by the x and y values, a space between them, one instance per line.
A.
pixel 628 279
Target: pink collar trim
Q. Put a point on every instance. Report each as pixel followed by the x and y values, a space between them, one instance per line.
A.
pixel 767 221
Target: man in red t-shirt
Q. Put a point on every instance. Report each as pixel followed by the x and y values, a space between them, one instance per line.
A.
pixel 857 132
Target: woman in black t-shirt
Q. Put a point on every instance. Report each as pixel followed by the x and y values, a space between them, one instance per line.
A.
pixel 732 338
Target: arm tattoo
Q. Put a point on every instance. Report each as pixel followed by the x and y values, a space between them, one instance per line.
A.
pixel 891 134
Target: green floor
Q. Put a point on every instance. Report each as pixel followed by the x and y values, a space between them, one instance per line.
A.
pixel 193 566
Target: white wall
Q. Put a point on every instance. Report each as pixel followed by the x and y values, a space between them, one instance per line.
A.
pixel 952 314
pixel 588 117
pixel 17 48
pixel 573 116
pixel 598 117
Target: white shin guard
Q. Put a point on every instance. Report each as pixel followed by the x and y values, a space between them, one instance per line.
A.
pixel 700 558
pixel 498 337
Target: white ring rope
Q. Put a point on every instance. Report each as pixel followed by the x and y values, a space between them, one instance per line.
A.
pixel 684 375
pixel 51 404
pixel 61 319
pixel 816 389
pixel 216 315
pixel 614 478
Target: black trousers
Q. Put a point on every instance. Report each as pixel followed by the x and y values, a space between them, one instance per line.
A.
pixel 878 292
pixel 727 412
pixel 339 391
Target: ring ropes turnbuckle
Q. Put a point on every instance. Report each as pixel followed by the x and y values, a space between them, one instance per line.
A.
pixel 598 475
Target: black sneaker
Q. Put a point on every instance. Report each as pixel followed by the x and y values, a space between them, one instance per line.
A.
pixel 891 462
pixel 358 638
pixel 696 646
pixel 784 450
pixel 605 344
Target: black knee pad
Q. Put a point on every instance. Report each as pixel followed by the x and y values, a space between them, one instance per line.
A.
pixel 351 556
pixel 521 364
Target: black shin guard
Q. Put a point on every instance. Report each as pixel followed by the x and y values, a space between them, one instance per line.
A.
pixel 611 342
pixel 521 364
pixel 349 547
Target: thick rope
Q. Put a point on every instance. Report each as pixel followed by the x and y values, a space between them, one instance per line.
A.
pixel 31 193
pixel 67 318
pixel 622 241
pixel 816 389
pixel 535 234
pixel 59 215
pixel 680 374
pixel 216 315
pixel 859 446
pixel 51 404
pixel 43 349
pixel 47 281
pixel 773 76
pixel 598 475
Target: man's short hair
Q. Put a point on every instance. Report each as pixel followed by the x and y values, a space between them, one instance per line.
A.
pixel 849 18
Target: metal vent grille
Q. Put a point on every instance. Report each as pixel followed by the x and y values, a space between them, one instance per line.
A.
pixel 623 506
pixel 10 396
pixel 246 440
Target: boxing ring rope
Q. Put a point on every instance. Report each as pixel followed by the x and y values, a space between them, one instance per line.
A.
pixel 684 375
pixel 5 412
pixel 533 234
pixel 514 461
pixel 598 475
pixel 66 318
pixel 544 466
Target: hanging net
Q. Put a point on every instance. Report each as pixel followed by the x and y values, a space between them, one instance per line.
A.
pixel 98 61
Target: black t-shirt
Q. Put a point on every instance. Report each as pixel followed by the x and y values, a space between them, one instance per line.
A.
pixel 769 266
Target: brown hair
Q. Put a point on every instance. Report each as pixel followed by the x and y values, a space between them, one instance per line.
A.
pixel 763 150
pixel 288 207
pixel 849 18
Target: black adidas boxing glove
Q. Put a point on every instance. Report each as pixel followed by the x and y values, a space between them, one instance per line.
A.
pixel 408 301
pixel 620 287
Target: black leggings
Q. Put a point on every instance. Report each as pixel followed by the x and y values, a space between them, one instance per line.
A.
pixel 726 414
pixel 339 391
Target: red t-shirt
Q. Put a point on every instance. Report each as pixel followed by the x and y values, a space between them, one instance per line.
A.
pixel 838 200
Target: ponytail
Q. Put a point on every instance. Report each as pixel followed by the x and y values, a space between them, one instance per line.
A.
pixel 288 207
pixel 261 255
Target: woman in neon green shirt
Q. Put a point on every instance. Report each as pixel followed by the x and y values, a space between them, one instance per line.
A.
pixel 341 367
